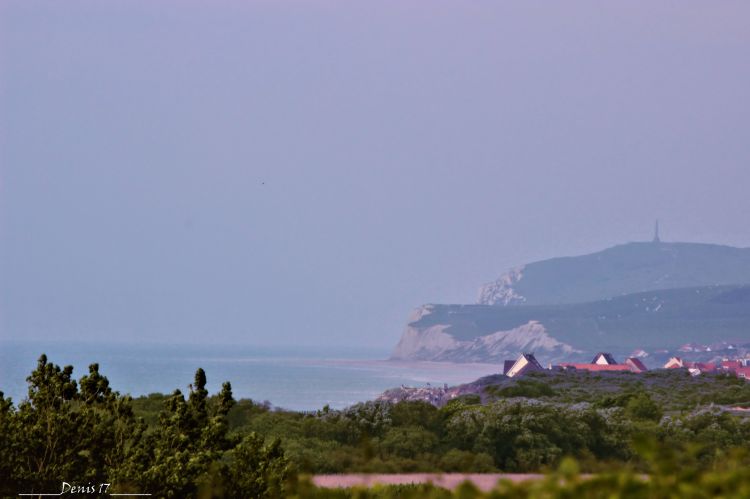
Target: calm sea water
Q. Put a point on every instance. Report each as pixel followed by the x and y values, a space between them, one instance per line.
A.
pixel 292 378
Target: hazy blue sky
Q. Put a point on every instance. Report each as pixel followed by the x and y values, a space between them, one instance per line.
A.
pixel 274 172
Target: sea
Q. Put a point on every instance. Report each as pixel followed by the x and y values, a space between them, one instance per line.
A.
pixel 295 378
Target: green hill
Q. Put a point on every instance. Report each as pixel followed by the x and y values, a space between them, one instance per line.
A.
pixel 625 269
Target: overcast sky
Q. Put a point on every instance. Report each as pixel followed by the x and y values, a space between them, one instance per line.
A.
pixel 308 172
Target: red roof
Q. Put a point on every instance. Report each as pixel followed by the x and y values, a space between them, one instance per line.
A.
pixel 674 363
pixel 743 372
pixel 599 367
pixel 703 366
pixel 636 364
pixel 731 364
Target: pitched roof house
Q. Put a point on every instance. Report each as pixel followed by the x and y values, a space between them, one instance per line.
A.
pixel 604 359
pixel 674 363
pixel 524 364
pixel 636 365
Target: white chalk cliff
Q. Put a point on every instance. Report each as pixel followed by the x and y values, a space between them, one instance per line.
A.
pixel 435 342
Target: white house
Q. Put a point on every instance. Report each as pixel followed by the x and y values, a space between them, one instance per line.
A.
pixel 525 363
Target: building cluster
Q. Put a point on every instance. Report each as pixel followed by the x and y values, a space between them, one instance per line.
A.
pixel 435 395
pixel 738 367
pixel 697 347
pixel 604 361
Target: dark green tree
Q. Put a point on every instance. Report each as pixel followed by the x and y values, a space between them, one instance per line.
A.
pixel 191 439
pixel 257 469
pixel 643 407
pixel 11 448
pixel 49 423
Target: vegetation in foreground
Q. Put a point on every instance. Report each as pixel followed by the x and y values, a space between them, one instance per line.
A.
pixel 671 474
pixel 83 433
pixel 666 425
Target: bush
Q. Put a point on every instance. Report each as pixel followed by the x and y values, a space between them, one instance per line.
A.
pixel 642 407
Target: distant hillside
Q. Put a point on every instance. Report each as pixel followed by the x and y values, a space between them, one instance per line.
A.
pixel 654 320
pixel 621 270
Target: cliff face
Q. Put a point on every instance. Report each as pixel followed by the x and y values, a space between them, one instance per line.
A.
pixel 652 296
pixel 437 342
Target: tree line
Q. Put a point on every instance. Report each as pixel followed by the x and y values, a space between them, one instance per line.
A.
pixel 84 433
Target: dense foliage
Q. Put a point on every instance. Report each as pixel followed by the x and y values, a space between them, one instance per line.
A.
pixel 83 433
pixel 523 425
